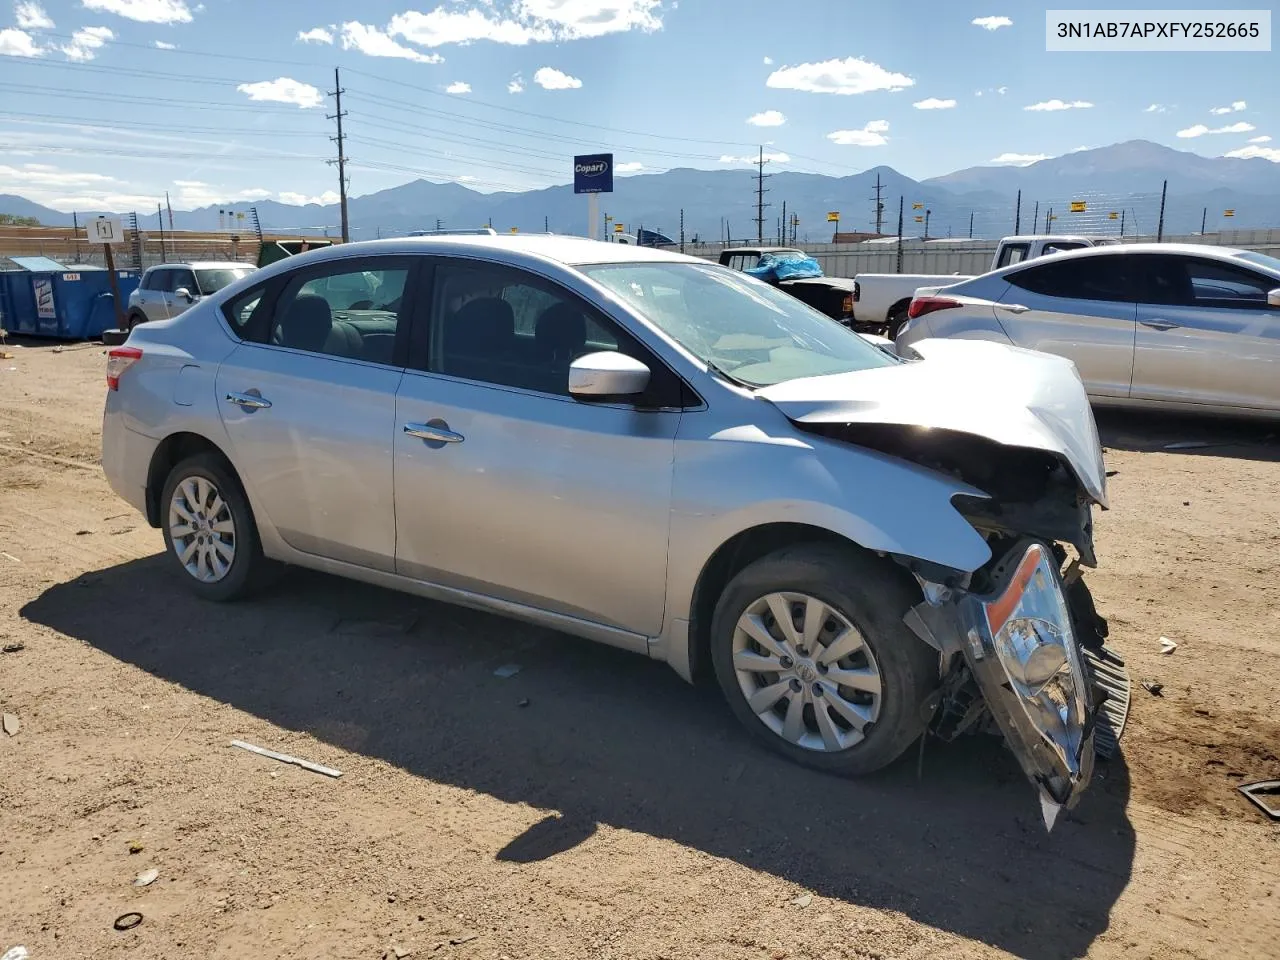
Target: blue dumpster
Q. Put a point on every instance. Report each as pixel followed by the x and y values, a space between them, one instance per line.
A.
pixel 44 298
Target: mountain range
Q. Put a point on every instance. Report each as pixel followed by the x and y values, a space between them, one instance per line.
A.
pixel 1124 179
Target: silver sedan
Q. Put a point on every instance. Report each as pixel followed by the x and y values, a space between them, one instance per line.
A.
pixel 650 451
pixel 1178 326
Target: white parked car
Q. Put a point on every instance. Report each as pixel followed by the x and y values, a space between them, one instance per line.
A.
pixel 168 289
pixel 1180 326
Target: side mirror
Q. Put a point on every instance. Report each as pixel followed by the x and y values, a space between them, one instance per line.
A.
pixel 182 293
pixel 607 374
pixel 1273 297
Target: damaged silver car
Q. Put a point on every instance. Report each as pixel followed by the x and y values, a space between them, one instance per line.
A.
pixel 657 453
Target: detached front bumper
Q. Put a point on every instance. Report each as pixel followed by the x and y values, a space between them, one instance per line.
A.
pixel 1023 644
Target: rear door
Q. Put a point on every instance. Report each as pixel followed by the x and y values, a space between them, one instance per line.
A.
pixel 1206 334
pixel 155 306
pixel 1079 307
pixel 308 402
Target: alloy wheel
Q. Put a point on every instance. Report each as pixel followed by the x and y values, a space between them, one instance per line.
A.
pixel 202 529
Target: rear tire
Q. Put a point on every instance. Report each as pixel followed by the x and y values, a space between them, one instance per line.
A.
pixel 209 529
pixel 892 671
pixel 133 320
pixel 897 320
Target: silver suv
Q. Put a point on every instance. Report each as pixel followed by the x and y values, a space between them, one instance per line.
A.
pixel 650 451
pixel 168 289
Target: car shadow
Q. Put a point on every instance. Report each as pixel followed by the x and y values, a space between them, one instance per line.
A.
pixel 597 736
pixel 1143 432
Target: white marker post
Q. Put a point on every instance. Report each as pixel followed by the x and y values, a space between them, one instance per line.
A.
pixel 108 232
pixel 593 216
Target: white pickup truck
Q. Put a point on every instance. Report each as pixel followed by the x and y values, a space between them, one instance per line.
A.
pixel 880 300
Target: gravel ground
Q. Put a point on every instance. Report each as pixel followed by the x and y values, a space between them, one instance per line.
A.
pixel 592 805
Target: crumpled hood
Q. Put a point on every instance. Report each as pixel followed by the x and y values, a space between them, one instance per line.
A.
pixel 1012 396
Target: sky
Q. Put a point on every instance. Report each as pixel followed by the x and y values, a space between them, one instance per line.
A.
pixel 108 104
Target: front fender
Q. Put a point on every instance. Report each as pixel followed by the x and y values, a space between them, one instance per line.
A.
pixel 736 479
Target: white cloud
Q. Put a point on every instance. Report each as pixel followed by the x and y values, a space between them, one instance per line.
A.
pixel 549 78
pixel 1079 149
pixel 1199 129
pixel 1262 139
pixel 769 157
pixel 769 118
pixel 933 103
pixel 1249 153
pixel 515 84
pixel 1020 159
pixel 991 23
pixel 1235 107
pixel 1055 104
pixel 768 61
pixel 458 86
pixel 144 11
pixel 161 45
pixel 1156 108
pixel 632 166
pixel 372 42
pixel 316 35
pixel 1002 90
pixel 197 193
pixel 16 43
pixel 527 21
pixel 85 42
pixel 283 90
pixel 32 16
pixel 300 199
pixel 871 135
pixel 849 76
pixel 44 175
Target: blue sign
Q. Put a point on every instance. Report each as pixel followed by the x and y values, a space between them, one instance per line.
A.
pixel 593 173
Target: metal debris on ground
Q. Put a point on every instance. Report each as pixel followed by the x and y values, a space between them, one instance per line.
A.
pixel 1265 795
pixel 146 878
pixel 13 648
pixel 1153 687
pixel 11 724
pixel 127 921
pixel 15 953
pixel 456 941
pixel 1167 645
pixel 1188 445
pixel 507 670
pixel 522 702
pixel 285 758
pixel 803 900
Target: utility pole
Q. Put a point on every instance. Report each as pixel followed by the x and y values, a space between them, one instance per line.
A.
pixel 900 234
pixel 1160 226
pixel 760 192
pixel 879 206
pixel 970 224
pixel 782 224
pixel 160 223
pixel 546 223
pixel 682 229
pixel 169 207
pixel 1017 215
pixel 340 140
pixel 1035 218
pixel 927 214
pixel 439 224
pixel 1122 213
pixel 1203 217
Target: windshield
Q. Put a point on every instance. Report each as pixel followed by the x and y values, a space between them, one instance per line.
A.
pixel 1261 259
pixel 742 327
pixel 211 281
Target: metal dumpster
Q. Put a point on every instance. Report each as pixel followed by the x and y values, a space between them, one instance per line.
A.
pixel 40 297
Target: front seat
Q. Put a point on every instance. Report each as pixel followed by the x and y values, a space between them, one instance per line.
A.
pixel 306 324
pixel 559 337
pixel 479 340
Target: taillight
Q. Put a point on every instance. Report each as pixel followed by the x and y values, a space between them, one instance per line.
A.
pixel 857 292
pixel 118 361
pixel 922 305
pixel 847 305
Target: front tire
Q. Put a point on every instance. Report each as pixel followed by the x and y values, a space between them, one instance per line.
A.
pixel 810 650
pixel 209 529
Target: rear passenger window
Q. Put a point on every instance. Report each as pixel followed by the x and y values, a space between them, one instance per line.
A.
pixel 240 311
pixel 351 313
pixel 1079 278
pixel 1012 253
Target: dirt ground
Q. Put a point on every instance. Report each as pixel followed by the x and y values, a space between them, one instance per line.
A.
pixel 592 805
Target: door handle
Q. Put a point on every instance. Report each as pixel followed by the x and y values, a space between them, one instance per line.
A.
pixel 1158 324
pixel 434 432
pixel 1012 307
pixel 248 401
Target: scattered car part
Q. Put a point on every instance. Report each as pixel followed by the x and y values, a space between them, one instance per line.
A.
pixel 127 921
pixel 1257 794
pixel 285 758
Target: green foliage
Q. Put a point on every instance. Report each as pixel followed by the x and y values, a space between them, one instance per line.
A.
pixel 9 220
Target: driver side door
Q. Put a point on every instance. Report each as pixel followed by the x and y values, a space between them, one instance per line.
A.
pixel 510 489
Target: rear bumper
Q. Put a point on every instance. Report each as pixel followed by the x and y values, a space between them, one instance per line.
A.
pixel 126 457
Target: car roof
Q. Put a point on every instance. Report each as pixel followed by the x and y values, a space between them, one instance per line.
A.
pixel 203 265
pixel 512 249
